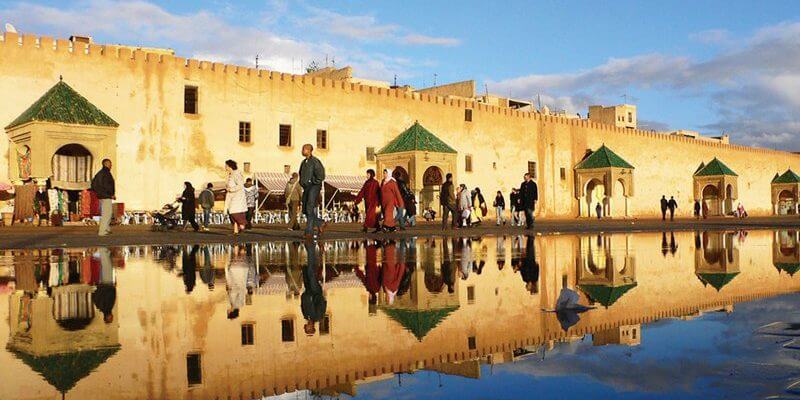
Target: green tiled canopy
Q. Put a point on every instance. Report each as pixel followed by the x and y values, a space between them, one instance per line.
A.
pixel 605 295
pixel 717 280
pixel 64 371
pixel 416 138
pixel 788 177
pixel 603 158
pixel 790 268
pixel 715 168
pixel 62 104
pixel 419 322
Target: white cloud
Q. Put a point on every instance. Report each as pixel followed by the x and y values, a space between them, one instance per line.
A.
pixel 753 87
pixel 367 28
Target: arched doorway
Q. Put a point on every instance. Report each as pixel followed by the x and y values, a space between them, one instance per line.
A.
pixel 787 203
pixel 728 200
pixel 72 166
pixel 432 181
pixel 711 199
pixel 595 194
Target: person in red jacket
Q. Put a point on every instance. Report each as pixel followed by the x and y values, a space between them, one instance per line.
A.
pixel 371 194
pixel 391 199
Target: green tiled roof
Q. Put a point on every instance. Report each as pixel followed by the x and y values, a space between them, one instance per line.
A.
pixel 419 322
pixel 603 158
pixel 790 268
pixel 714 168
pixel 788 177
pixel 64 371
pixel 717 280
pixel 416 138
pixel 64 105
pixel 606 295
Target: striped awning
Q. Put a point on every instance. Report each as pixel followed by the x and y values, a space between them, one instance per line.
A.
pixel 273 182
pixel 346 183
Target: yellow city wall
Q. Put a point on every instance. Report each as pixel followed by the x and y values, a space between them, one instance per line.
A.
pixel 158 147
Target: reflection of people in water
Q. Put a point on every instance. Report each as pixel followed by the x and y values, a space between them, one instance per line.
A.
pixel 465 247
pixel 207 273
pixel 402 256
pixel 105 295
pixel 664 245
pixel 312 301
pixel 189 265
pixel 236 280
pixel 292 275
pixel 372 278
pixel 530 268
pixel 392 271
pixel 673 247
pixel 448 270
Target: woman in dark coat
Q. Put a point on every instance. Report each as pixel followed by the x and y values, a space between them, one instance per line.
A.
pixel 371 194
pixel 188 206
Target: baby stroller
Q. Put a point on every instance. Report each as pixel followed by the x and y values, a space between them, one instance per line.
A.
pixel 167 218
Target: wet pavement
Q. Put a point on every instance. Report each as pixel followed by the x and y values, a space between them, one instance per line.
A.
pixel 683 314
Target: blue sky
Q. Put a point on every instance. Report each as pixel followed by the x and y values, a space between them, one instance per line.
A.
pixel 711 66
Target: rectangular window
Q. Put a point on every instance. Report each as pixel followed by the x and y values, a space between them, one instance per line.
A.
pixel 470 294
pixel 563 173
pixel 244 132
pixel 468 115
pixel 287 330
pixel 285 133
pixel 472 343
pixel 194 370
pixel 325 325
pixel 532 169
pixel 322 139
pixel 246 167
pixel 630 117
pixel 247 334
pixel 370 154
pixel 190 99
pixel 468 163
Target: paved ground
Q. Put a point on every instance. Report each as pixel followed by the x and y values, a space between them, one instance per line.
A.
pixel 81 236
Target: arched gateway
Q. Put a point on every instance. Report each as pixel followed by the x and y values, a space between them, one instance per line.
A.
pixel 716 185
pixel 425 158
pixel 603 178
pixel 785 191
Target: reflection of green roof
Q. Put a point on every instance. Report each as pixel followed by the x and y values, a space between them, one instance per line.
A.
pixel 715 168
pixel 419 322
pixel 717 280
pixel 788 177
pixel 790 268
pixel 63 104
pixel 606 295
pixel 416 138
pixel 64 371
pixel 603 158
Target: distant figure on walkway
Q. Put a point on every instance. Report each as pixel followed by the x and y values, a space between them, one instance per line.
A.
pixel 599 210
pixel 529 194
pixel 672 205
pixel 235 198
pixel 410 202
pixel 371 194
pixel 312 174
pixel 516 207
pixel 391 200
pixel 705 209
pixel 464 205
pixel 740 211
pixel 664 206
pixel 293 193
pixel 480 209
pixel 206 201
pixel 251 195
pixel 104 187
pixel 447 199
pixel 402 187
pixel 697 209
pixel 188 206
pixel 499 207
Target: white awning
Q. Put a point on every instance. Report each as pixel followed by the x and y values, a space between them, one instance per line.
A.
pixel 346 183
pixel 272 182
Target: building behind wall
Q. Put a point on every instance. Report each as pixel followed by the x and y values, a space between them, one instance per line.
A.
pixel 180 119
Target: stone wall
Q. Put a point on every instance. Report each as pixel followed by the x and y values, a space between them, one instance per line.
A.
pixel 159 146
